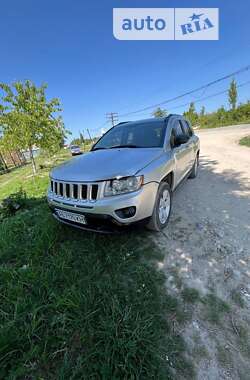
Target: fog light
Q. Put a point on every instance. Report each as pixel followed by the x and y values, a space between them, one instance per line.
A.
pixel 125 213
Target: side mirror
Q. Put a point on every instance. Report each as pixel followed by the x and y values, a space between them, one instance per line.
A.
pixel 181 139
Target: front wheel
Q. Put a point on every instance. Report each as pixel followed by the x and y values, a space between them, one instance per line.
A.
pixel 162 208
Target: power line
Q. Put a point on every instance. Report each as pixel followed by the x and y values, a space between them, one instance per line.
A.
pixel 210 96
pixel 243 69
pixel 112 117
pixel 202 99
pixel 196 70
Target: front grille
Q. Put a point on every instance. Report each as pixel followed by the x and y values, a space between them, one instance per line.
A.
pixel 81 191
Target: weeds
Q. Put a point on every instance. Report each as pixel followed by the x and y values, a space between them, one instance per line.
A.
pixel 245 141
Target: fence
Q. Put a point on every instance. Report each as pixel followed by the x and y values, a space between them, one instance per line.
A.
pixel 9 160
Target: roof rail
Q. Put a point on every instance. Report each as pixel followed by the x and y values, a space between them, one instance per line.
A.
pixel 171 115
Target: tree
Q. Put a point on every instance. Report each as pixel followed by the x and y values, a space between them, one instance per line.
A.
pixel 81 138
pixel 159 112
pixel 76 141
pixel 203 111
pixel 221 114
pixel 191 114
pixel 233 95
pixel 28 120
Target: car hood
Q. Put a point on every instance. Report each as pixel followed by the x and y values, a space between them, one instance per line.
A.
pixel 105 164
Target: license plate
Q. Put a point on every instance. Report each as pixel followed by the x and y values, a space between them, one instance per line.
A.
pixel 77 218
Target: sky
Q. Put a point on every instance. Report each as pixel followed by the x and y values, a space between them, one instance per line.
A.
pixel 70 46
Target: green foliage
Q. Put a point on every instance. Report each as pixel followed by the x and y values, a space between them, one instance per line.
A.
pixel 28 119
pixel 81 141
pixel 192 115
pixel 203 111
pixel 245 141
pixel 159 112
pixel 81 138
pixel 233 95
pixel 219 118
pixel 76 141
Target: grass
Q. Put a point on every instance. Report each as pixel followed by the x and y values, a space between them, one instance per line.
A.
pixel 223 355
pixel 245 141
pixel 215 309
pixel 190 295
pixel 78 305
pixel 237 298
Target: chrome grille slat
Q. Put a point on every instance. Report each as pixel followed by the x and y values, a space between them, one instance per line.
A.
pixel 79 192
pixel 83 191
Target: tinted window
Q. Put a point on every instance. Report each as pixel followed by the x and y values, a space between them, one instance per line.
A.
pixel 186 128
pixel 176 131
pixel 191 132
pixel 143 135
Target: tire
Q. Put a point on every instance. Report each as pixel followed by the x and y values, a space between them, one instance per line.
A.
pixel 159 218
pixel 194 170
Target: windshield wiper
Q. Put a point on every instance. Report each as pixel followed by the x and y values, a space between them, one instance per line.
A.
pixel 118 146
pixel 97 149
pixel 125 146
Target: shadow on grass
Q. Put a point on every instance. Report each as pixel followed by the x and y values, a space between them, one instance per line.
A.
pixel 80 305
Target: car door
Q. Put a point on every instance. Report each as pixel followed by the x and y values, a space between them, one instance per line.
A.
pixel 190 144
pixel 181 153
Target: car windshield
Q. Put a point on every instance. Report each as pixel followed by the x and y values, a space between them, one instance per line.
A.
pixel 74 147
pixel 133 135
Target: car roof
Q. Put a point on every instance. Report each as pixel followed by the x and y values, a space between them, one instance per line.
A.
pixel 154 120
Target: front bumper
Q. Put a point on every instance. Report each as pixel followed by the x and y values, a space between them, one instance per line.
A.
pixel 105 208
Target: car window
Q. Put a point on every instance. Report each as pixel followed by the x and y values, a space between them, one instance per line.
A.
pixel 191 132
pixel 186 128
pixel 144 135
pixel 114 138
pixel 176 131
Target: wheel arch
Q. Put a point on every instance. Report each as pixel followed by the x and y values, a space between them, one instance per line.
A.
pixel 169 178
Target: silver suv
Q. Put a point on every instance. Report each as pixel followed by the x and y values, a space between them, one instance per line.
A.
pixel 128 176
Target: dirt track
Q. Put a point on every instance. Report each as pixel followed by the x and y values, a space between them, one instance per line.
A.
pixel 207 246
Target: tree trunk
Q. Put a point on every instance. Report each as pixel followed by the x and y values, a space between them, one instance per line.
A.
pixel 32 161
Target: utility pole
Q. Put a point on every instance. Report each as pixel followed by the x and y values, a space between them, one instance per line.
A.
pixel 89 135
pixel 112 117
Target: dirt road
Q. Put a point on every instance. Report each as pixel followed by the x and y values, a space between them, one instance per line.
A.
pixel 207 246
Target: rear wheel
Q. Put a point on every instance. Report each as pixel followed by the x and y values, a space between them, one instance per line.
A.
pixel 162 208
pixel 194 170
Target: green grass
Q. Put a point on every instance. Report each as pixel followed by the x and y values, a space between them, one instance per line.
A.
pixel 76 305
pixel 245 141
pixel 190 295
pixel 237 298
pixel 215 309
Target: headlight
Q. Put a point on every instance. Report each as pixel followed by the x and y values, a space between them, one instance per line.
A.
pixel 123 185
